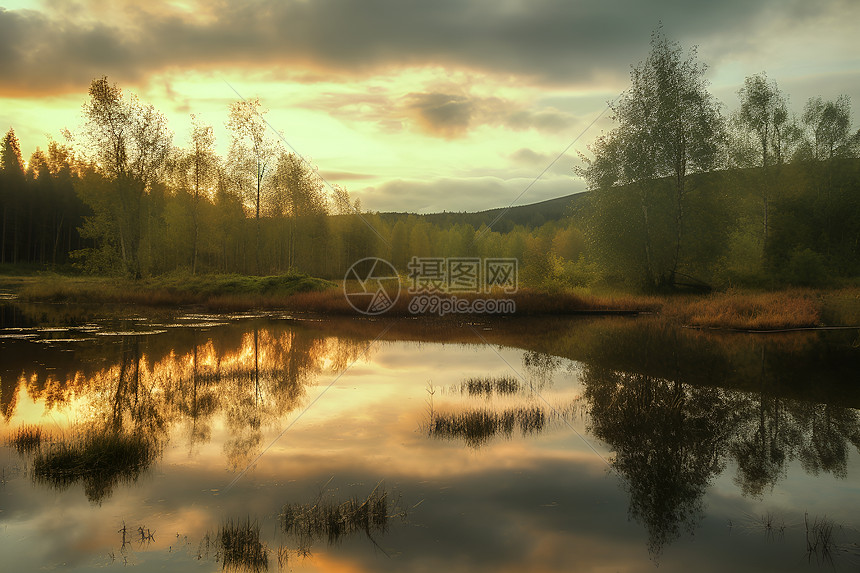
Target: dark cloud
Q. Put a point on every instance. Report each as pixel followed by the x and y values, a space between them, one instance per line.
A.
pixel 551 41
pixel 441 114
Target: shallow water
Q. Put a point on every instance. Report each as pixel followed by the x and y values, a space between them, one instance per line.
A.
pixel 552 445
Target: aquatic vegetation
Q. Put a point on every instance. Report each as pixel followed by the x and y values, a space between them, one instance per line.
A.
pixel 477 427
pixel 241 548
pixel 820 540
pixel 330 520
pixel 98 459
pixel 27 439
pixel 489 385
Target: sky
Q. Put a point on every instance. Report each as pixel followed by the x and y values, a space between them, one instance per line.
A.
pixel 418 106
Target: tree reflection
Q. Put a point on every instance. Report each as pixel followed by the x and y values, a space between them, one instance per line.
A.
pixel 140 387
pixel 671 439
pixel 667 441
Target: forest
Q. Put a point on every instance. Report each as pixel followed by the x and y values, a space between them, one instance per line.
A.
pixel 680 194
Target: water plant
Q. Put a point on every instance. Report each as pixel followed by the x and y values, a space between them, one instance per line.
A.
pixel 490 385
pixel 240 546
pixel 27 439
pixel 819 538
pixel 476 427
pixel 331 520
pixel 99 459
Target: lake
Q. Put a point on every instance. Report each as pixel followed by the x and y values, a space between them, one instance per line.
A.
pixel 178 441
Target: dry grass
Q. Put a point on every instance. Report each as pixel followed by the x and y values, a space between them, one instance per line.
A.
pixel 477 427
pixel 748 311
pixel 742 310
pixel 241 548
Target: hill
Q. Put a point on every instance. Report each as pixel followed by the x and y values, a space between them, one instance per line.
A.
pixel 504 219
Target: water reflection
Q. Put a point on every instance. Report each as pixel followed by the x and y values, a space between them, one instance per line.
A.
pixel 99 459
pixel 670 441
pixel 667 441
pixel 126 394
pixel 688 421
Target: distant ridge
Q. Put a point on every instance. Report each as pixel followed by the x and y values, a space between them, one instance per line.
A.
pixel 531 215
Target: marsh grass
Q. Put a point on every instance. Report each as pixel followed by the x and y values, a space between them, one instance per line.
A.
pixel 98 459
pixel 732 309
pixel 27 439
pixel 489 385
pixel 748 311
pixel 478 426
pixel 228 292
pixel 240 546
pixel 820 540
pixel 332 521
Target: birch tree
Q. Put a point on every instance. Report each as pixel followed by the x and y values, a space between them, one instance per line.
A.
pixel 669 126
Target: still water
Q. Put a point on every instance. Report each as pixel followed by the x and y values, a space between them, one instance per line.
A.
pixel 189 442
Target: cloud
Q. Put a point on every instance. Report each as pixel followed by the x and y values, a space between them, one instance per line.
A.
pixel 335 176
pixel 441 114
pixel 544 41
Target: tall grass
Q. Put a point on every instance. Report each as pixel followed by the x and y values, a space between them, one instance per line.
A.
pixel 488 386
pixel 749 311
pixel 477 427
pixel 213 290
pixel 98 459
pixel 329 520
pixel 241 548
pixel 27 439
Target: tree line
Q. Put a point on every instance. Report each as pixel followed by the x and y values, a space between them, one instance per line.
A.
pixel 679 194
pixel 682 194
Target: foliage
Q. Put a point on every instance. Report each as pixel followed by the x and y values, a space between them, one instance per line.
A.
pixel 660 213
pixel 669 126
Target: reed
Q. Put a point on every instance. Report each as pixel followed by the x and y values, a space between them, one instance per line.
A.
pixel 329 520
pixel 748 311
pixel 488 386
pixel 477 427
pixel 98 459
pixel 241 548
pixel 27 439
pixel 819 538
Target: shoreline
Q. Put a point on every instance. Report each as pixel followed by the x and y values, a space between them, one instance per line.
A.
pixel 730 311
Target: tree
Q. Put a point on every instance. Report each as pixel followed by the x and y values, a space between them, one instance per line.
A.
pixel 12 188
pixel 829 125
pixel 297 196
pixel 129 142
pixel 251 153
pixel 202 163
pixel 764 114
pixel 669 126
